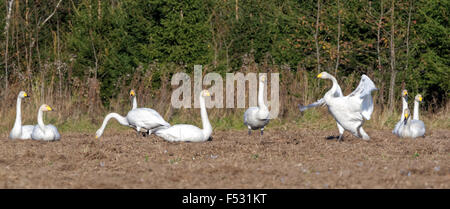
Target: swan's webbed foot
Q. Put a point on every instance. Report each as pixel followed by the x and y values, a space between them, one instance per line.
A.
pixel 145 134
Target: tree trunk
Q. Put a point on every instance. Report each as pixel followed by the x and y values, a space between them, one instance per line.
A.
pixel 380 67
pixel 316 38
pixel 393 70
pixel 338 39
pixel 8 17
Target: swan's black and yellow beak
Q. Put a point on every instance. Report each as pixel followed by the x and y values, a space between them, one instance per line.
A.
pixel 420 98
pixel 49 108
pixel 132 93
pixel 25 95
pixel 405 93
pixel 320 75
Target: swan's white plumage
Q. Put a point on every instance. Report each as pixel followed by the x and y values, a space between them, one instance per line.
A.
pixel 404 107
pixel 147 119
pixel 18 131
pixel 349 111
pixel 186 132
pixel 411 128
pixel 257 117
pixel 45 132
pixel 122 120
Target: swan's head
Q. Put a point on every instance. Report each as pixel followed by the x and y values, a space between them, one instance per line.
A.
pixel 98 133
pixel 45 108
pixel 407 114
pixel 324 75
pixel 205 93
pixel 23 94
pixel 418 98
pixel 404 93
pixel 263 78
pixel 132 93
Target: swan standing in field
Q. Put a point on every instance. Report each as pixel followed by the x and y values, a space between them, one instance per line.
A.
pixel 411 128
pixel 404 107
pixel 186 132
pixel 18 131
pixel 257 117
pixel 45 132
pixel 137 118
pixel 349 111
pixel 145 118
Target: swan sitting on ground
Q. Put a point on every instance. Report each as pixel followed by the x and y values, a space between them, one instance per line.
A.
pixel 349 111
pixel 45 132
pixel 404 107
pixel 19 131
pixel 257 117
pixel 411 128
pixel 190 133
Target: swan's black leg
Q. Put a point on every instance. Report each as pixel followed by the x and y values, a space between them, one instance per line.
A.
pixel 262 131
pixel 249 132
pixel 340 138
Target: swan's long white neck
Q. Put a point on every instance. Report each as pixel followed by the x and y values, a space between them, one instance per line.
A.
pixel 404 107
pixel 334 88
pixel 122 120
pixel 416 110
pixel 18 122
pixel 40 120
pixel 134 102
pixel 263 111
pixel 207 128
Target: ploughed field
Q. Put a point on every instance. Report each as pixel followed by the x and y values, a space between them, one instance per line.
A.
pixel 300 158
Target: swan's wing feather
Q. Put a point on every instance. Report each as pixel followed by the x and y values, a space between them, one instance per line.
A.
pixel 315 104
pixel 249 113
pixel 364 92
pixel 146 118
pixel 54 130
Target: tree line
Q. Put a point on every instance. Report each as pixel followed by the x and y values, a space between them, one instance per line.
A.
pixel 59 47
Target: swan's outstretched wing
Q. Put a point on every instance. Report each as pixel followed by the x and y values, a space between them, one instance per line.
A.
pixel 364 92
pixel 315 104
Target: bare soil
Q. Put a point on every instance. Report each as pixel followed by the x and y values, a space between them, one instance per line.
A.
pixel 299 158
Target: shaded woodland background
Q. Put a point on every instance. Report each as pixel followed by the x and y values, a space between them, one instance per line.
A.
pixel 83 56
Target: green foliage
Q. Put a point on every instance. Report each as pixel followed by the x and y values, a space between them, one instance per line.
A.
pixel 110 40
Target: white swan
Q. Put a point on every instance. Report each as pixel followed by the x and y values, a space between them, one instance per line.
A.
pixel 133 98
pixel 45 132
pixel 257 117
pixel 185 132
pixel 122 120
pixel 137 118
pixel 417 99
pixel 18 131
pixel 404 107
pixel 411 128
pixel 349 111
